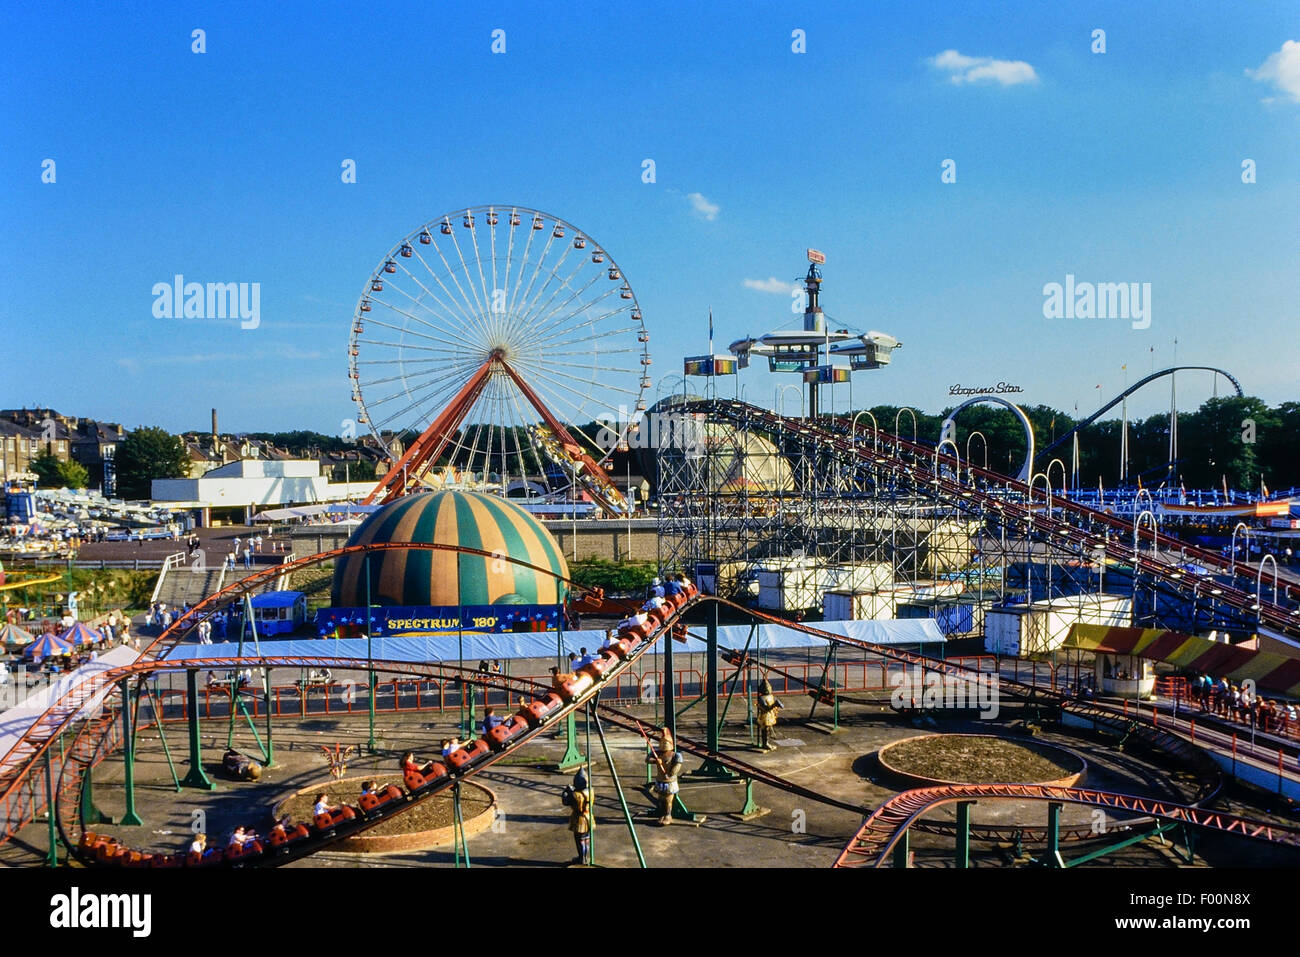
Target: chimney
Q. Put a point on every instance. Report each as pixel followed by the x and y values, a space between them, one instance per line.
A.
pixel 214 423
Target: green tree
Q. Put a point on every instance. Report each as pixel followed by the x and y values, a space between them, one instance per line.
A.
pixel 73 475
pixel 362 470
pixel 52 473
pixel 147 454
pixel 1213 444
pixel 46 467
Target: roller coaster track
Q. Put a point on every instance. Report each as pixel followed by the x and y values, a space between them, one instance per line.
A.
pixel 1084 423
pixel 1209 777
pixel 1086 531
pixel 872 844
pixel 26 752
pixel 92 736
pixel 86 748
pixel 88 744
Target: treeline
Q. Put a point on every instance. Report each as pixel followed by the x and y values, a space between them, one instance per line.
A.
pixel 304 441
pixel 1240 440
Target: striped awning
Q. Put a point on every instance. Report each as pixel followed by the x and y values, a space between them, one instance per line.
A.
pixel 1269 670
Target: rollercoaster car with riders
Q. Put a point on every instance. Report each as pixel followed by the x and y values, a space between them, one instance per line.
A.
pixel 288 840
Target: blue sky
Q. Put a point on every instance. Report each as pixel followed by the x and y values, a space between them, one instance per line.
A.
pixel 225 166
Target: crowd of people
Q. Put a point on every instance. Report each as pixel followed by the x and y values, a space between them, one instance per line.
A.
pixel 1241 704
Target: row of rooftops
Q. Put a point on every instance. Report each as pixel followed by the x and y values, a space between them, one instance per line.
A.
pixel 43 425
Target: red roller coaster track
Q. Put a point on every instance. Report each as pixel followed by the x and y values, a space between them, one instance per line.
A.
pixel 25 754
pixel 93 734
pixel 871 845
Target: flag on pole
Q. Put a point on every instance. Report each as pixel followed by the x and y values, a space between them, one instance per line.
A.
pixel 710 332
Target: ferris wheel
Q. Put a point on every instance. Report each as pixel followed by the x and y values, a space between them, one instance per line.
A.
pixel 491 340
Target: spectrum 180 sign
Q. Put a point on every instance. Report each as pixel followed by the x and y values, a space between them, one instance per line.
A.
pixel 438 619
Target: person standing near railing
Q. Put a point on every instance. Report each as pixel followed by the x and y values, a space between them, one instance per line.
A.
pixel 768 707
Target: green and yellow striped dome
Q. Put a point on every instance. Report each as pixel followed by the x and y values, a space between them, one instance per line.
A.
pixel 417 577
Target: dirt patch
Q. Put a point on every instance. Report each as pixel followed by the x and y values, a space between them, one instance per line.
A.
pixel 980 759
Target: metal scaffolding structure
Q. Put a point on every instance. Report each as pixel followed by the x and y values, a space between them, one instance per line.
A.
pixel 768 501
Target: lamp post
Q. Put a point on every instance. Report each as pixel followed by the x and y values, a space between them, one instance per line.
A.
pixel 1047 486
pixel 1049 473
pixel 1232 567
pixel 984 439
pixel 875 429
pixel 779 400
pixel 956 452
pixel 1259 578
pixel 898 415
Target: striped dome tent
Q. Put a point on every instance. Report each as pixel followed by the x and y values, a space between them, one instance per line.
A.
pixel 470 519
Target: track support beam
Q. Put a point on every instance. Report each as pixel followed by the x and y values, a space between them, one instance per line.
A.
pixel 195 778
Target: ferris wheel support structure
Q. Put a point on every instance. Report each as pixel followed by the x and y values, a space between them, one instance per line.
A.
pixel 496 344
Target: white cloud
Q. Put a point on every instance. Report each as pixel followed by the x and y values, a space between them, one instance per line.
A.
pixel 982 69
pixel 1282 69
pixel 772 284
pixel 703 207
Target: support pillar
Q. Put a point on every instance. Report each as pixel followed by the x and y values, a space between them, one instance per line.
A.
pixel 51 855
pixel 573 756
pixel 669 694
pixel 751 809
pixel 903 850
pixel 622 798
pixel 156 709
pixel 195 778
pixel 129 817
pixel 962 859
pixel 458 825
pixel 1054 858
pixel 266 699
pixel 712 768
pixel 90 814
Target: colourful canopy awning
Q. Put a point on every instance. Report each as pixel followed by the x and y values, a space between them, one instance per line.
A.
pixel 1269 670
pixel 80 634
pixel 46 646
pixel 13 635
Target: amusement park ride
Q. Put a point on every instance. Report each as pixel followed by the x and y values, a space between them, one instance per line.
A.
pixel 496 325
pixel 481 341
